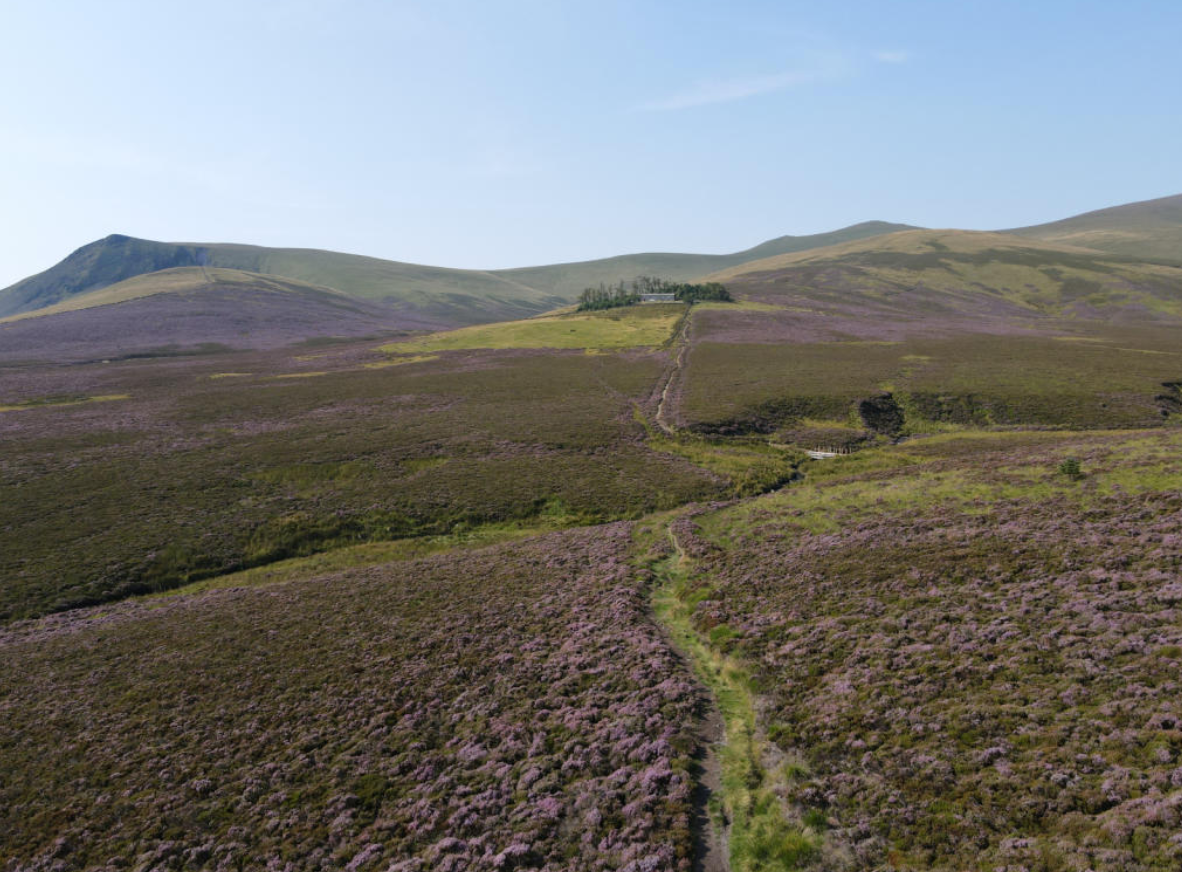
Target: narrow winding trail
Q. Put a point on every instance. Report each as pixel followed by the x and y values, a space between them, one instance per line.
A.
pixel 711 829
pixel 681 346
pixel 742 822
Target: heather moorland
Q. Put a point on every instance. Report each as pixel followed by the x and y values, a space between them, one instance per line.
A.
pixel 875 565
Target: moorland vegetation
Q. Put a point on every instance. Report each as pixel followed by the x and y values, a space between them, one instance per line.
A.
pixel 472 598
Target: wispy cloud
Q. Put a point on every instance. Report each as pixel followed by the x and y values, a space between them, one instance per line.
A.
pixel 727 90
pixel 892 56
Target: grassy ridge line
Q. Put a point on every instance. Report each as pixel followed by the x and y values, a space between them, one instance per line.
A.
pixel 750 818
pixel 460 295
pixel 920 242
pixel 1149 229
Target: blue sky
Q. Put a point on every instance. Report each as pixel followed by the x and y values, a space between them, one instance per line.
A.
pixel 482 134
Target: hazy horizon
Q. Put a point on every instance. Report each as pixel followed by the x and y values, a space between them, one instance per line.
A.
pixel 462 136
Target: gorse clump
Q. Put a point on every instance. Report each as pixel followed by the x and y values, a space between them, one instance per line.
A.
pixel 1070 468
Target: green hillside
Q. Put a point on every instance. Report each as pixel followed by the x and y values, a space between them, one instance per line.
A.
pixel 179 280
pixel 448 296
pixel 966 270
pixel 1148 230
pixel 567 279
pixel 956 327
pixel 93 266
pixel 432 601
pixel 461 296
pixel 1124 259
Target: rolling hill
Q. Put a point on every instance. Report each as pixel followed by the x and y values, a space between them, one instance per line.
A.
pixel 178 280
pixel 437 294
pixel 188 308
pixel 993 275
pixel 1148 230
pixel 955 326
pixel 568 279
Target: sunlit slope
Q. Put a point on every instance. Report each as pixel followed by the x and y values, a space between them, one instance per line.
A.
pixel 567 279
pixel 964 646
pixel 450 295
pixel 444 296
pixel 187 309
pixel 959 270
pixel 629 327
pixel 1149 230
pixel 181 280
pixel 962 328
pixel 93 266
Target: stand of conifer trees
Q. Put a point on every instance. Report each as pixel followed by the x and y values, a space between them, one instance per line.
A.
pixel 621 294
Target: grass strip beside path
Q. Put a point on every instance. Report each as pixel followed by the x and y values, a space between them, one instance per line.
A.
pixel 762 837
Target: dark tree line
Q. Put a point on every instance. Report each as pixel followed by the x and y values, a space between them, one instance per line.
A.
pixel 709 292
pixel 621 294
pixel 608 297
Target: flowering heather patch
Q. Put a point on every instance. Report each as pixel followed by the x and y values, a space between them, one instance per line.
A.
pixel 1116 378
pixel 511 707
pixel 961 332
pixel 985 680
pixel 196 475
pixel 230 315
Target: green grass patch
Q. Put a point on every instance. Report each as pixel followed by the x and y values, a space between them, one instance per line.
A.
pixel 400 361
pixel 752 468
pixel 922 474
pixel 368 554
pixel 42 402
pixel 310 374
pixel 737 306
pixel 762 837
pixel 631 327
pixel 304 476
